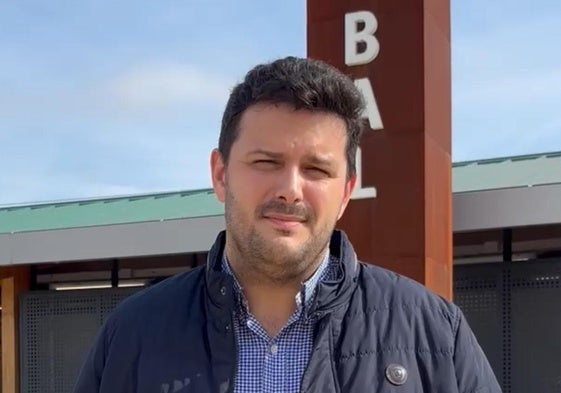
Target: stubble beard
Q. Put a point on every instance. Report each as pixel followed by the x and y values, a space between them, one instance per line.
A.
pixel 263 259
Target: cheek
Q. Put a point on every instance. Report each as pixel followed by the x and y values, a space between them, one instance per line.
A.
pixel 247 193
pixel 326 201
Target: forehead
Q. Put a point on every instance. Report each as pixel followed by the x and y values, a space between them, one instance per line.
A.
pixel 281 126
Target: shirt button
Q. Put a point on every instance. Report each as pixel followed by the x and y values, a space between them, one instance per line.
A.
pixel 273 349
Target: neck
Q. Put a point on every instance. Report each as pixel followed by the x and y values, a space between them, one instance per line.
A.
pixel 270 301
pixel 271 306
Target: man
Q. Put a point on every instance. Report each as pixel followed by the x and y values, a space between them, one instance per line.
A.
pixel 283 305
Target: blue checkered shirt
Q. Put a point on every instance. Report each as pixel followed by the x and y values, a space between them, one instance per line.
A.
pixel 276 365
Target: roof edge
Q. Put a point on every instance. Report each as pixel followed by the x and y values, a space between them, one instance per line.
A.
pixel 72 201
pixel 506 158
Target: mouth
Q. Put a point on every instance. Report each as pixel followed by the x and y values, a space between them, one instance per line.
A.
pixel 283 221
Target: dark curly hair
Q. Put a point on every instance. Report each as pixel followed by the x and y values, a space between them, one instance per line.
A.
pixel 304 84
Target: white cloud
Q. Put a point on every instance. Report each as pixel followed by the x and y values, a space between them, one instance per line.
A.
pixel 155 86
pixel 23 186
pixel 141 91
pixel 511 89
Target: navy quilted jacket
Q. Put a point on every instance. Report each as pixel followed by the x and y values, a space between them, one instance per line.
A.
pixel 177 336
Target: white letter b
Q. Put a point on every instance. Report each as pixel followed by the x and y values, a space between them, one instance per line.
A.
pixel 366 36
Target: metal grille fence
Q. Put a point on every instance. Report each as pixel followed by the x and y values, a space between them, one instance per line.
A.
pixel 56 331
pixel 515 311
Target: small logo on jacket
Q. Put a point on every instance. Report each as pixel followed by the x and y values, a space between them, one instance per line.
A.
pixel 175 386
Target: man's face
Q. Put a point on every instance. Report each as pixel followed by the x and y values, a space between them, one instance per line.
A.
pixel 284 188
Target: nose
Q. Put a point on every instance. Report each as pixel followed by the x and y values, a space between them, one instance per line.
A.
pixel 289 186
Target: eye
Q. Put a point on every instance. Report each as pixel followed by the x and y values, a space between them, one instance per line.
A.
pixel 265 164
pixel 318 172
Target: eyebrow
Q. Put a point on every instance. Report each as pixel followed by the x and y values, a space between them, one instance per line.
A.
pixel 321 161
pixel 265 153
pixel 312 159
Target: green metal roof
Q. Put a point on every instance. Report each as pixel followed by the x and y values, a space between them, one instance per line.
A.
pixel 508 172
pixel 108 211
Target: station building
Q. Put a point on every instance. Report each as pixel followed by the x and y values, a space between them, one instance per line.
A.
pixel 65 265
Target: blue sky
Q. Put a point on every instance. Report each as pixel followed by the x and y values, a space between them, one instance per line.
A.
pixel 103 98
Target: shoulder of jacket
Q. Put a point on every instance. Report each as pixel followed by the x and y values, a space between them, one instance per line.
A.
pixel 390 289
pixel 166 296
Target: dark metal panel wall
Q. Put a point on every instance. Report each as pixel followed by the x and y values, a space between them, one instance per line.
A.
pixel 478 292
pixel 536 328
pixel 515 311
pixel 56 330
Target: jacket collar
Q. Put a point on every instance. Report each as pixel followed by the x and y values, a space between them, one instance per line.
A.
pixel 329 295
pixel 333 294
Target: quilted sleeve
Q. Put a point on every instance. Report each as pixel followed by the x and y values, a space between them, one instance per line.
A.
pixel 89 378
pixel 473 372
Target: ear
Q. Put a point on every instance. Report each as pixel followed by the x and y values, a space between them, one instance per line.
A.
pixel 349 186
pixel 218 175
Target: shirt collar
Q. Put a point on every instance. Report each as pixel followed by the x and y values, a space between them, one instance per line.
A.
pixel 307 289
